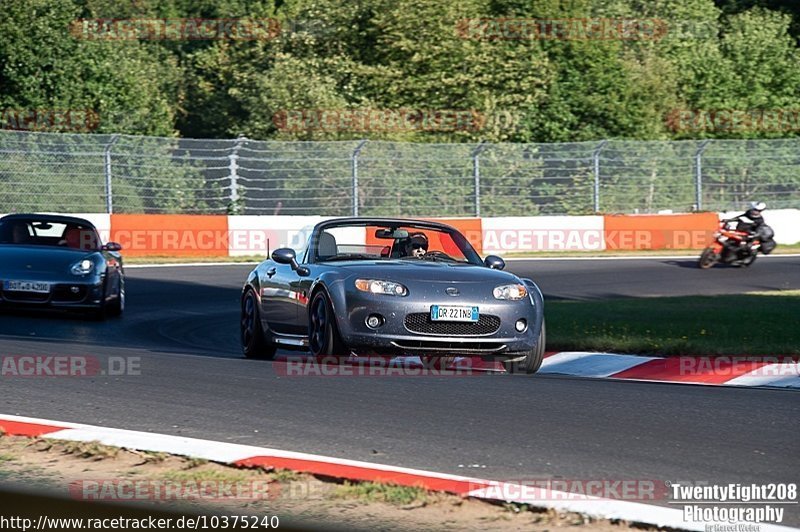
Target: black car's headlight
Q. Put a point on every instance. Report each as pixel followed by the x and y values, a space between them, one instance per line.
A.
pixel 82 267
pixel 375 286
pixel 511 292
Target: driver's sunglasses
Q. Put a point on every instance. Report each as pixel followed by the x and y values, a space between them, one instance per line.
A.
pixel 419 246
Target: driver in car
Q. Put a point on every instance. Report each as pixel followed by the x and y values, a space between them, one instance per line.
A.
pixel 417 245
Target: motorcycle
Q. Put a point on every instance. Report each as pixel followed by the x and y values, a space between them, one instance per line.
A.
pixel 737 248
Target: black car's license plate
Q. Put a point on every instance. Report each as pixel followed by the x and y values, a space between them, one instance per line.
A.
pixel 26 286
pixel 452 313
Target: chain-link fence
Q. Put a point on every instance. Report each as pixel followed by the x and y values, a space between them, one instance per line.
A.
pixel 127 174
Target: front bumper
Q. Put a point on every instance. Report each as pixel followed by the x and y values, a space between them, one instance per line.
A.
pixel 394 336
pixel 63 295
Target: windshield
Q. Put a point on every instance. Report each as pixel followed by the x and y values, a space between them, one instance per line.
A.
pixel 410 242
pixel 33 232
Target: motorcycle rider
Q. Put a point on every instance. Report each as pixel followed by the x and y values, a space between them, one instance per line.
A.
pixel 751 220
pixel 748 222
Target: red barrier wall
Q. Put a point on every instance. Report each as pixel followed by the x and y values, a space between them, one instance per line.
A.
pixel 177 235
pixel 660 231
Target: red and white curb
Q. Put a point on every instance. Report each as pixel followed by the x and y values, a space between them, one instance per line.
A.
pixel 728 371
pixel 250 456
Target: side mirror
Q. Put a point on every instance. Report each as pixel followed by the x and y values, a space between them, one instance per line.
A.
pixel 494 262
pixel 288 256
pixel 112 246
pixel 284 256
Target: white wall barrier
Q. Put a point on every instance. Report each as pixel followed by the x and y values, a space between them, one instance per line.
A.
pixel 785 222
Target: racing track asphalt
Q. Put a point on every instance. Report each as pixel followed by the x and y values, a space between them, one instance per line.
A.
pixel 182 324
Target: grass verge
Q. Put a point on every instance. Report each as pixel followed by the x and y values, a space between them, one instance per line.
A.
pixel 389 493
pixel 782 249
pixel 762 323
pixel 167 259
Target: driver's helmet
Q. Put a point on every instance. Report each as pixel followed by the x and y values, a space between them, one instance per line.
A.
pixel 755 209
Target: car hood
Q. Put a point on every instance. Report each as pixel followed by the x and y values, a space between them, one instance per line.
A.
pixel 17 258
pixel 426 271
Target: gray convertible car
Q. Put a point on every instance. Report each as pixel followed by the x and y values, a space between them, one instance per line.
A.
pixel 392 287
pixel 58 262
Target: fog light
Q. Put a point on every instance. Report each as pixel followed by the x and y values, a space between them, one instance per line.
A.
pixel 521 325
pixel 374 321
pixel 74 289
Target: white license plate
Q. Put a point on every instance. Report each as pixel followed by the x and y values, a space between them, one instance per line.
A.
pixel 448 313
pixel 27 286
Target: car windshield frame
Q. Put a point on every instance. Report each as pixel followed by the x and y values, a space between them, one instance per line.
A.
pixel 7 237
pixel 471 257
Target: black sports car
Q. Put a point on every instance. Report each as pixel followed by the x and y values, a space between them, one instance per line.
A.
pixel 59 262
pixel 390 286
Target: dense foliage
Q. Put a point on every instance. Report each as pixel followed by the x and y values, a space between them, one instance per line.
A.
pixel 407 54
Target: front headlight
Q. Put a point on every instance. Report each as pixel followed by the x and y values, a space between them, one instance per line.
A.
pixel 512 292
pixel 83 267
pixel 375 286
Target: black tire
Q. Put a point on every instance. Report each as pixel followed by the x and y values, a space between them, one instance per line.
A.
pixel 117 307
pixel 533 358
pixel 251 333
pixel 747 262
pixel 323 335
pixel 434 362
pixel 708 258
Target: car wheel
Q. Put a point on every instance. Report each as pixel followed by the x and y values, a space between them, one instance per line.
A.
pixel 533 358
pixel 437 362
pixel 323 335
pixel 708 258
pixel 254 343
pixel 117 307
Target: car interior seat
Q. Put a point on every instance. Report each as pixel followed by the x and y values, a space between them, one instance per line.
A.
pixel 327 246
pixel 77 238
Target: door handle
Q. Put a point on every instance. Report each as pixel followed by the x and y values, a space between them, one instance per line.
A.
pixel 271 272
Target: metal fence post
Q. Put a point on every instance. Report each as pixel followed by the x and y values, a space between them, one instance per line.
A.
pixel 233 174
pixel 107 171
pixel 596 161
pixel 476 175
pixel 355 175
pixel 698 178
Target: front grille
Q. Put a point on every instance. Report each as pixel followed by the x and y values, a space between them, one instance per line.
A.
pixel 420 323
pixel 63 293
